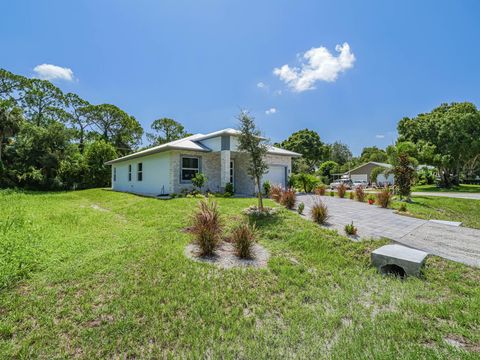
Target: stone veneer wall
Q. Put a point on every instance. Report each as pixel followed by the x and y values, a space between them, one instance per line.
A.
pixel 210 166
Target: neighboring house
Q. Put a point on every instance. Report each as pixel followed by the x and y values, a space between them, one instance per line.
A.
pixel 169 168
pixel 364 173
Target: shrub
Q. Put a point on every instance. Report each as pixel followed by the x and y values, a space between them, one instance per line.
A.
pixel 402 207
pixel 276 193
pixel 319 212
pixel 371 199
pixel 288 198
pixel 384 197
pixel 243 239
pixel 350 229
pixel 255 212
pixel 266 188
pixel 207 227
pixel 306 182
pixel 341 190
pixel 320 189
pixel 199 180
pixel 229 188
pixel 332 193
pixel 300 208
pixel 351 195
pixel 360 193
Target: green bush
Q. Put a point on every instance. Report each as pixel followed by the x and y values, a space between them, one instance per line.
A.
pixel 199 180
pixel 229 188
pixel 266 188
pixel 306 182
pixel 350 229
pixel 300 208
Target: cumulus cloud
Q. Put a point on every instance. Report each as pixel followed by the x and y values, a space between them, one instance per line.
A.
pixel 261 85
pixel 380 136
pixel 317 64
pixel 271 111
pixel 53 72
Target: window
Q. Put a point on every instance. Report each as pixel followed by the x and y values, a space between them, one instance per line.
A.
pixel 190 167
pixel 129 172
pixel 140 171
pixel 114 174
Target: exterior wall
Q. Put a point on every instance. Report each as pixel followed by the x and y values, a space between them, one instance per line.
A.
pixel 244 184
pixel 209 165
pixel 214 143
pixel 366 169
pixel 156 179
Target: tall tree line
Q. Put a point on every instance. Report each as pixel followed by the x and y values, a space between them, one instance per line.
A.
pixel 52 140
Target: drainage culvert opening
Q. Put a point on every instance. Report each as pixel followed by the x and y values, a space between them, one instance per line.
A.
pixel 392 269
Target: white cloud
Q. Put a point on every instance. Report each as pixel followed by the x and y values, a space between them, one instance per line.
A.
pixel 380 136
pixel 271 111
pixel 53 72
pixel 319 65
pixel 261 85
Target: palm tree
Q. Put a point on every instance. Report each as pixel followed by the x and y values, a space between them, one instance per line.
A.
pixel 10 120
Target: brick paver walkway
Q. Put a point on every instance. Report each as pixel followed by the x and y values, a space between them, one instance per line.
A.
pixel 454 243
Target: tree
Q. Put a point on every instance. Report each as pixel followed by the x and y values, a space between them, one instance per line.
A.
pixel 308 143
pixel 199 180
pixel 375 172
pixel 373 153
pixel 447 137
pixel 115 126
pixel 251 141
pixel 327 168
pixel 77 110
pixel 340 153
pixel 40 100
pixel 166 130
pixel 401 156
pixel 10 121
pixel 96 155
pixel 11 86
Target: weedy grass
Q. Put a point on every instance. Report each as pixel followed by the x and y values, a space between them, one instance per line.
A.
pixel 101 274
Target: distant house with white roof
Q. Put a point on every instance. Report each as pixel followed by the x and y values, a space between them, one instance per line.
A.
pixel 169 168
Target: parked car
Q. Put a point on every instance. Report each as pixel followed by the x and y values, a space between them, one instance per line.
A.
pixel 359 183
pixel 347 183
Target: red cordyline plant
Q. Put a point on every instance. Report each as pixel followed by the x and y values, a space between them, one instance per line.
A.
pixel 288 198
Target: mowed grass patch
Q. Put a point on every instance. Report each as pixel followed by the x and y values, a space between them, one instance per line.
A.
pixel 465 188
pixel 442 208
pixel 109 279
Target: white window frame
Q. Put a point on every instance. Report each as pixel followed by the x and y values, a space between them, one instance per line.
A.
pixel 198 169
pixel 139 171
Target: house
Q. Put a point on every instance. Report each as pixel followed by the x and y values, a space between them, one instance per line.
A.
pixel 169 168
pixel 364 173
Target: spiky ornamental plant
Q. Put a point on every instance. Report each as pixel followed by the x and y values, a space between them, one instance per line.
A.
pixel 251 142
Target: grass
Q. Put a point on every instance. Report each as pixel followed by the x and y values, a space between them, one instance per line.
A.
pixel 465 188
pixel 99 274
pixel 442 208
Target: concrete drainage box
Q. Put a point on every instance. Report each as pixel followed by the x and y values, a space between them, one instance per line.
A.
pixel 398 260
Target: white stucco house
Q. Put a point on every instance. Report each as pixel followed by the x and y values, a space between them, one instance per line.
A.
pixel 169 168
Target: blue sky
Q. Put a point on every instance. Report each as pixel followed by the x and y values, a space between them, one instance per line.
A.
pixel 200 62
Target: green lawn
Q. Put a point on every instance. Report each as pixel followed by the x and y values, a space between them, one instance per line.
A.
pixel 461 188
pixel 442 208
pixel 99 274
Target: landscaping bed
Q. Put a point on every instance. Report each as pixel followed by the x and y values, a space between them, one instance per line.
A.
pixel 82 282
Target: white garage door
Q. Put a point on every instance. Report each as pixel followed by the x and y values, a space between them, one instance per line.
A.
pixel 359 177
pixel 275 175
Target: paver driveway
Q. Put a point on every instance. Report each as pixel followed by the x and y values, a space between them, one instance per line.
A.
pixel 454 243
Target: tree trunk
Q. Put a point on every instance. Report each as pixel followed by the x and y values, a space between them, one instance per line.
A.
pixel 260 200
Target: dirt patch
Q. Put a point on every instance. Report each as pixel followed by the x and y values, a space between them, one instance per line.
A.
pixel 96 207
pixel 225 257
pixel 461 343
